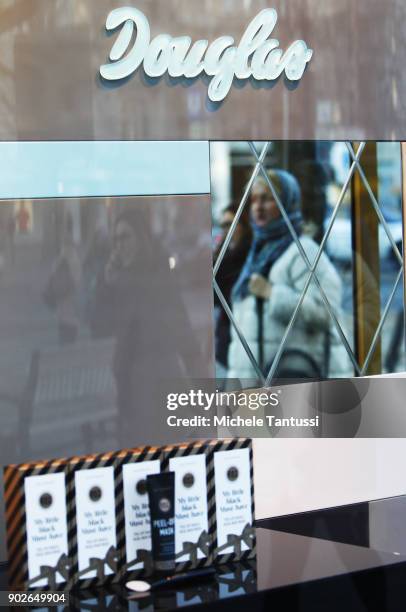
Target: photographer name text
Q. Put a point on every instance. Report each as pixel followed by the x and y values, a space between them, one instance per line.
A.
pixel 241 421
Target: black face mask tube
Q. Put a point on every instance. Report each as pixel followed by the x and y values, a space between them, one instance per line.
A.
pixel 161 494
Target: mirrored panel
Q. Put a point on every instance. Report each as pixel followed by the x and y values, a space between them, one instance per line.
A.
pixel 308 264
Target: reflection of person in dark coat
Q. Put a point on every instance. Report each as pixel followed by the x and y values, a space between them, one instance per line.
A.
pixel 228 273
pixel 137 299
pixel 63 286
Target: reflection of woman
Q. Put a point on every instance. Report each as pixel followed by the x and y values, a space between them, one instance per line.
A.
pixel 269 288
pixel 137 301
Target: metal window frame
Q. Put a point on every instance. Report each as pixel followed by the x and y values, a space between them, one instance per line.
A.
pixel 403 162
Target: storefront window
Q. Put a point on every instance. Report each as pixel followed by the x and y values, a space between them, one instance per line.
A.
pixel 307 260
pixel 104 299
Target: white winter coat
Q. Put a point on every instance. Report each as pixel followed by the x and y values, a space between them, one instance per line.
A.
pixel 288 277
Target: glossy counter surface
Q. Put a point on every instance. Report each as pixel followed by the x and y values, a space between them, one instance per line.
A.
pixel 379 525
pixel 293 571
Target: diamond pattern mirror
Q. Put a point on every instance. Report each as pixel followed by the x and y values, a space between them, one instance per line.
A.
pixel 308 265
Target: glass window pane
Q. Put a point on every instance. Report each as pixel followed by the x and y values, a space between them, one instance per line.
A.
pixel 103 300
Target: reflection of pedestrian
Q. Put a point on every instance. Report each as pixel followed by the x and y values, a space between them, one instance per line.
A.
pixel 269 288
pixel 137 300
pixel 314 177
pixel 23 219
pixel 61 292
pixel 228 273
pixel 94 263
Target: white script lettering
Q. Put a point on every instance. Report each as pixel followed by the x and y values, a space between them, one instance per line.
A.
pixel 256 55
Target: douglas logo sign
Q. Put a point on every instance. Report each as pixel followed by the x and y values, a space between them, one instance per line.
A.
pixel 256 55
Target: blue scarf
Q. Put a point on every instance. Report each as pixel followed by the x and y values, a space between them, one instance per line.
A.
pixel 270 242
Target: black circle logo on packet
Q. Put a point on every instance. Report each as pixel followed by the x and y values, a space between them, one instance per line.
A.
pixel 164 505
pixel 141 487
pixel 232 473
pixel 188 480
pixel 45 500
pixel 95 494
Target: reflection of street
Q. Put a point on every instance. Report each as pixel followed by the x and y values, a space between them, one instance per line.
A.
pixel 55 397
pixel 388 272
